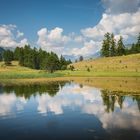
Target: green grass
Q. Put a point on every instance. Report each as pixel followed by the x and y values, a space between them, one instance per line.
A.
pixel 79 73
pixel 67 73
pixel 128 63
pixel 15 75
pixel 17 72
pixel 124 66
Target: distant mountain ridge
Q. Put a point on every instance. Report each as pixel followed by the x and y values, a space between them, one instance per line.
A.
pixel 94 56
pixel 73 58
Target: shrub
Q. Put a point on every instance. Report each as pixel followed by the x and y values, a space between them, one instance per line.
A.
pixel 71 67
pixel 88 69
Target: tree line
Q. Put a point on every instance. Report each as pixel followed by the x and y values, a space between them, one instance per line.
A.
pixel 111 47
pixel 35 59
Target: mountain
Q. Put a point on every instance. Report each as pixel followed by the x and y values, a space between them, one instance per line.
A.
pixel 93 56
pixel 73 58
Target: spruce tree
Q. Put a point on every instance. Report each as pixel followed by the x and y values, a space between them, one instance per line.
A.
pixel 52 62
pixel 133 48
pixel 138 39
pixel 27 56
pixel 138 44
pixel 21 57
pixel 62 65
pixel 42 58
pixel 105 51
pixel 8 57
pixel 1 57
pixel 37 59
pixel 112 46
pixel 120 47
pixel 16 53
pixel 81 58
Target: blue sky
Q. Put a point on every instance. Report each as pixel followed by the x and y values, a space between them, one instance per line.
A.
pixel 31 15
pixel 74 27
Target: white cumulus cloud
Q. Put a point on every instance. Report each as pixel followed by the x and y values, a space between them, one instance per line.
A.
pixel 126 24
pixel 88 48
pixel 8 38
pixel 53 40
pixel 121 17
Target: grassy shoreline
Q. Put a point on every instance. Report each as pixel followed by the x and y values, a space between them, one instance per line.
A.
pixel 125 84
pixel 120 66
pixel 111 80
pixel 28 74
pixel 67 74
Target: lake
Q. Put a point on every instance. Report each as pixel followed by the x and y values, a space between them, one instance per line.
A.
pixel 68 110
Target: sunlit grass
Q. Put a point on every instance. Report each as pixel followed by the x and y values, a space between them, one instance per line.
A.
pixel 124 66
pixel 128 63
pixel 15 71
pixel 84 73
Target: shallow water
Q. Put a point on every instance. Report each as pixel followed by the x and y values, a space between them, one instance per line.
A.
pixel 67 110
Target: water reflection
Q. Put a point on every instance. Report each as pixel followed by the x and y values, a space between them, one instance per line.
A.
pixel 114 110
pixel 110 98
pixel 32 90
pixel 9 103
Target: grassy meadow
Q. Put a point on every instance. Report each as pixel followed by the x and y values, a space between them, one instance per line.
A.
pixel 128 63
pixel 120 66
pixel 15 71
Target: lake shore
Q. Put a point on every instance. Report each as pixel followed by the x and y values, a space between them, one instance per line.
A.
pixel 124 84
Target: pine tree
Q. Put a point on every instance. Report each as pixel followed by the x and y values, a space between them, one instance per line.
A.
pixel 138 39
pixel 138 44
pixel 27 56
pixel 133 48
pixel 62 63
pixel 16 53
pixel 120 47
pixel 8 57
pixel 112 46
pixel 42 58
pixel 1 57
pixel 105 51
pixel 37 59
pixel 21 57
pixel 52 63
pixel 81 58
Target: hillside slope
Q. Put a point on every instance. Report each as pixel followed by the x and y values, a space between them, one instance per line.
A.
pixel 128 63
pixel 123 66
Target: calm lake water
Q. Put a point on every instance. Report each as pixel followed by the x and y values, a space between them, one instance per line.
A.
pixel 67 110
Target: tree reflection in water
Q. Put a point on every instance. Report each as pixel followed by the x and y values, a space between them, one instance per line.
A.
pixel 111 97
pixel 27 91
